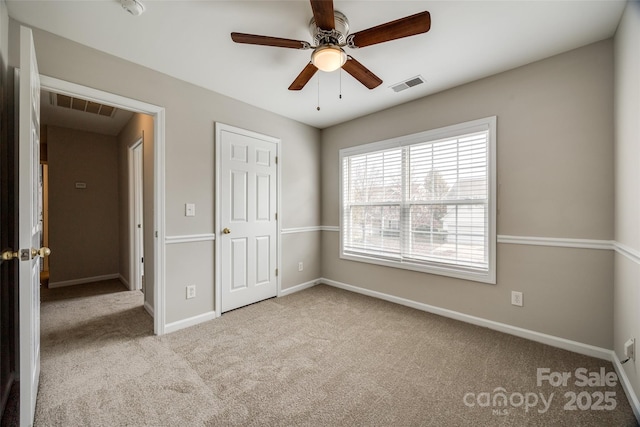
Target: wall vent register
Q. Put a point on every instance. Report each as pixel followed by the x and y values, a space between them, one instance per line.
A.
pixel 78 104
pixel 412 82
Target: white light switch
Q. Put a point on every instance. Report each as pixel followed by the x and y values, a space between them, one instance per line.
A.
pixel 190 209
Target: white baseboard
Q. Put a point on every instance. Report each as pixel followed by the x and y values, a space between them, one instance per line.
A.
pixel 626 385
pixel 192 321
pixel 124 281
pixel 83 280
pixel 577 347
pixel 148 307
pixel 298 288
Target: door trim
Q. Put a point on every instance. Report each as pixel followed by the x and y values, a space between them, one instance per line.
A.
pixel 135 281
pixel 158 113
pixel 219 128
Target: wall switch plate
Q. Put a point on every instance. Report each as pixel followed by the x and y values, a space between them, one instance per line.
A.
pixel 190 209
pixel 191 291
pixel 516 298
pixel 630 349
pixel 300 266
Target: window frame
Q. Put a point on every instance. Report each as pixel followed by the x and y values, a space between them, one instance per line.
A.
pixel 485 124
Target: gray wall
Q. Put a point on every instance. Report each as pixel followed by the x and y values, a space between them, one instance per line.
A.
pixel 627 187
pixel 191 112
pixel 555 180
pixel 83 223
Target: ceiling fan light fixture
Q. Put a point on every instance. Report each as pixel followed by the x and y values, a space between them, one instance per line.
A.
pixel 134 7
pixel 328 58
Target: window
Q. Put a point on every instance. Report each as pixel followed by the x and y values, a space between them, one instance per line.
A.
pixel 423 202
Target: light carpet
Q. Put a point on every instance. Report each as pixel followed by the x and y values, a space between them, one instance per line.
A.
pixel 320 357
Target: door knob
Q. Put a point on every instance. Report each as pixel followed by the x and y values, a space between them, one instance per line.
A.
pixel 226 231
pixel 9 255
pixel 42 252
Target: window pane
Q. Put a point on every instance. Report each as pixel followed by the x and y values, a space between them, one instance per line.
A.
pixel 427 230
pixel 373 229
pixel 375 177
pixel 451 234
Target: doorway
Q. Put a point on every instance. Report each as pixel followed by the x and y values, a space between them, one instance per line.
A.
pixel 154 277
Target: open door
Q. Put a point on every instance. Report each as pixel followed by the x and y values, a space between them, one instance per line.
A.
pixel 30 226
pixel 136 220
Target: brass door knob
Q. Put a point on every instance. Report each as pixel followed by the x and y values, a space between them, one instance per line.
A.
pixel 226 231
pixel 9 255
pixel 42 252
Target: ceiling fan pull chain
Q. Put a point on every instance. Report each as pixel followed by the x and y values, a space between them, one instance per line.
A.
pixel 340 78
pixel 318 107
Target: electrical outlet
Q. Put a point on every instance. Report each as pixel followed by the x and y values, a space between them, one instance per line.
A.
pixel 516 298
pixel 191 291
pixel 630 349
pixel 300 266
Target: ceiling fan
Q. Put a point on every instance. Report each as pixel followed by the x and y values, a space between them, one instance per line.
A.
pixel 330 31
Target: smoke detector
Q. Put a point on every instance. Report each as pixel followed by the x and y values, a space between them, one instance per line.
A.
pixel 134 7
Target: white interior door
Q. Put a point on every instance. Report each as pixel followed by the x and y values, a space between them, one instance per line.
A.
pixel 248 224
pixel 30 226
pixel 137 217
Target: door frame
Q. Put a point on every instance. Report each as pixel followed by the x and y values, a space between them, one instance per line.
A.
pixel 158 113
pixel 136 209
pixel 219 128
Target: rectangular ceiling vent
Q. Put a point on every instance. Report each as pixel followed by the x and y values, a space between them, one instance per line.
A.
pixel 414 81
pixel 78 104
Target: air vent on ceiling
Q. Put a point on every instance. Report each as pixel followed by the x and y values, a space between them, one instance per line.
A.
pixel 78 104
pixel 414 81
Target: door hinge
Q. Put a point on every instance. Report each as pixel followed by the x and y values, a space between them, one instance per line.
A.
pixel 156 234
pixel 276 272
pixel 276 216
pixel 142 260
pixel 276 160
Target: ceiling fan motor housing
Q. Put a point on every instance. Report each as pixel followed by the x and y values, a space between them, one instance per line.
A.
pixel 337 36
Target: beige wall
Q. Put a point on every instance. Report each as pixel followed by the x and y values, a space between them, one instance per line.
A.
pixel 555 179
pixel 139 127
pixel 627 187
pixel 191 112
pixel 83 223
pixel 305 247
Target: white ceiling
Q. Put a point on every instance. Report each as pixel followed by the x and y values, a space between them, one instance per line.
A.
pixel 190 40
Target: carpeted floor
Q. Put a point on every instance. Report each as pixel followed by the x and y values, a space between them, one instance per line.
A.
pixel 322 356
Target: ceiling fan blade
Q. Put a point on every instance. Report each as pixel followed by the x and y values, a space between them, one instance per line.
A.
pixel 269 41
pixel 361 73
pixel 403 27
pixel 304 77
pixel 323 14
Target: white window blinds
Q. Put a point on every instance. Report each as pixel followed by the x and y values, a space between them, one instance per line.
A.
pixel 422 202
